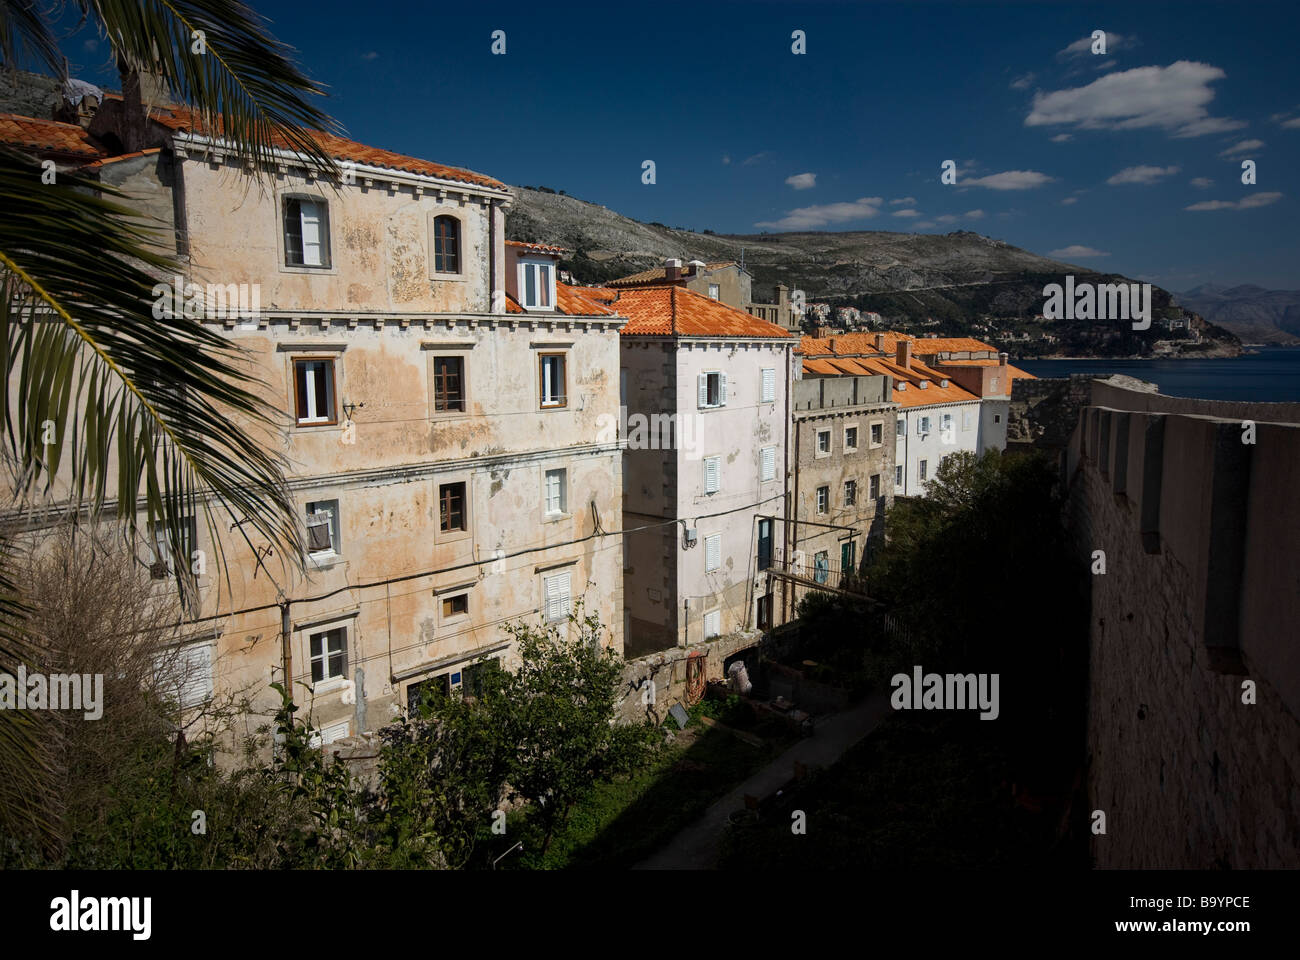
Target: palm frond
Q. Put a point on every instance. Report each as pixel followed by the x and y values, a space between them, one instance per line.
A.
pixel 25 34
pixel 244 84
pixel 141 405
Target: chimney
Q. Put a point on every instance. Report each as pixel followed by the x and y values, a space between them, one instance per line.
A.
pixel 672 270
pixel 904 355
pixel 1003 358
pixel 880 342
pixel 782 298
pixel 832 344
pixel 697 267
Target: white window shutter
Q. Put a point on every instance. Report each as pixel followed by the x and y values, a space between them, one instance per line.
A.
pixel 722 389
pixel 564 594
pixel 712 468
pixel 769 384
pixel 703 380
pixel 557 596
pixel 712 623
pixel 713 552
pixel 310 214
pixel 769 463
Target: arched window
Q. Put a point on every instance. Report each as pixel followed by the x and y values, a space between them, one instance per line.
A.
pixel 446 244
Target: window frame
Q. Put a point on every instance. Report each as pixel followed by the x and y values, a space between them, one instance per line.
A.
pixel 444 531
pixel 527 264
pixel 463 382
pixel 563 511
pixel 436 272
pixel 873 487
pixel 851 447
pixel 335 550
pixel 817 443
pixel 547 578
pixel 850 493
pixel 899 470
pixel 872 442
pixel 563 402
pixel 328 681
pixel 715 538
pixel 717 475
pixel 922 467
pixel 763 452
pixel 327 245
pixel 767 374
pixel 823 500
pixel 333 391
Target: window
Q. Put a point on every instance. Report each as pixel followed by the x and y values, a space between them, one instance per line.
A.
pixel 965 420
pixel 898 475
pixel 823 499
pixel 945 424
pixel 823 441
pixel 850 438
pixel 921 469
pixel 455 606
pixel 848 558
pixel 327 735
pixel 712 552
pixel 850 492
pixel 764 543
pixel 712 623
pixel 767 466
pixel 873 486
pixel 769 385
pixel 427 691
pixel 449 383
pixel 877 434
pixel 551 372
pixel 555 597
pixel 446 244
pixel 557 494
pixel 993 384
pixel 997 418
pixel 184 674
pixel 714 291
pixel 306 233
pixel 313 387
pixel 821 566
pixel 712 389
pixel 712 474
pixel 323 527
pixel 925 425
pixel 451 507
pixel 765 612
pixel 163 559
pixel 472 685
pixel 329 655
pixel 537 284
pixel 901 427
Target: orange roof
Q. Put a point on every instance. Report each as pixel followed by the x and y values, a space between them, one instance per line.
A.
pixel 49 136
pixel 568 300
pixel 659 275
pixel 599 294
pixel 932 345
pixel 677 311
pixel 121 156
pixel 340 148
pixel 851 343
pixel 538 247
pixel 913 395
pixel 1015 372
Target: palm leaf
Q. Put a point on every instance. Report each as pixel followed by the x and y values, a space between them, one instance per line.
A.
pixel 142 406
pixel 25 34
pixel 244 85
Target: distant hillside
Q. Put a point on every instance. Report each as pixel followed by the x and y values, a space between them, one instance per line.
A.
pixel 1252 313
pixel 943 283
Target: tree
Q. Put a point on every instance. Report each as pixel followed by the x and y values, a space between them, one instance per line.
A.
pixel 561 704
pixel 99 390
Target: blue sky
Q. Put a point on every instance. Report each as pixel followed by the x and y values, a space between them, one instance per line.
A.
pixel 1128 162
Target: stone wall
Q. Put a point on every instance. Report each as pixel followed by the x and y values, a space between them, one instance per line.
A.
pixel 1043 412
pixel 1198 603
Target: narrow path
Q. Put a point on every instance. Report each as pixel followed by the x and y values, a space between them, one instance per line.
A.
pixel 696 846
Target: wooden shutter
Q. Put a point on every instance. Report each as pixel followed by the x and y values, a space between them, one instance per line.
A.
pixel 712 465
pixel 703 381
pixel 769 463
pixel 722 389
pixel 769 384
pixel 713 552
pixel 185 673
pixel 712 623
pixel 557 596
pixel 313 233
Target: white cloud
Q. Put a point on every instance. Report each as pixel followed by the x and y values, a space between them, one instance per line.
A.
pixel 1009 180
pixel 1292 124
pixel 1173 98
pixel 902 200
pixel 1142 174
pixel 974 214
pixel 906 213
pixel 1243 147
pixel 1077 251
pixel 1063 138
pixel 802 181
pixel 1069 200
pixel 726 159
pixel 757 158
pixel 954 217
pixel 370 55
pixel 1201 182
pixel 1023 83
pixel 1083 46
pixel 824 214
pixel 1250 201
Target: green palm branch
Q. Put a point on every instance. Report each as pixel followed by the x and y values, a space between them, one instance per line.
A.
pixel 153 418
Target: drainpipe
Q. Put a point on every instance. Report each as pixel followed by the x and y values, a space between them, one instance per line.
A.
pixel 286 647
pixel 492 257
pixel 791 516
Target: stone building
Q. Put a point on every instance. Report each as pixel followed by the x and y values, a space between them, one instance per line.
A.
pixel 706 397
pixel 442 403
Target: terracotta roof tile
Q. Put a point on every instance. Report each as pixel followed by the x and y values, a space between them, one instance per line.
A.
pixel 94 165
pixel 928 346
pixel 49 136
pixel 659 275
pixel 677 311
pixel 538 247
pixel 182 119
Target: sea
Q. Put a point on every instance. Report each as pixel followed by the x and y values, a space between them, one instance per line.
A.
pixel 1268 374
